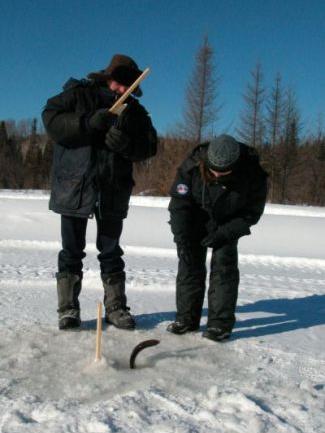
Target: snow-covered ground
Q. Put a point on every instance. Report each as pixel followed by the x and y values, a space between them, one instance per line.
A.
pixel 270 377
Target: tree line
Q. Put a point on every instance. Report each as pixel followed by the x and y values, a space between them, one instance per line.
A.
pixel 25 156
pixel 270 121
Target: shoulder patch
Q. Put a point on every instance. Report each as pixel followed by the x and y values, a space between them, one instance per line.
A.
pixel 182 189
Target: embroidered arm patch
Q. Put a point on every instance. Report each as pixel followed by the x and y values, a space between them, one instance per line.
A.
pixel 182 189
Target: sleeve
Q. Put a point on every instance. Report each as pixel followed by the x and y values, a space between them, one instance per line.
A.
pixel 134 136
pixel 252 212
pixel 181 207
pixel 62 123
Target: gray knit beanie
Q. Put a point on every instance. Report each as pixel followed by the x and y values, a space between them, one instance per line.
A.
pixel 223 153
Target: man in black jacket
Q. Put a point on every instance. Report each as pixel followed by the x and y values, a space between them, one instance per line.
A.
pixel 219 192
pixel 92 175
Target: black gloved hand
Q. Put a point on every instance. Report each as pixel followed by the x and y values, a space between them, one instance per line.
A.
pixel 116 140
pixel 184 253
pixel 133 119
pixel 237 228
pixel 214 240
pixel 100 120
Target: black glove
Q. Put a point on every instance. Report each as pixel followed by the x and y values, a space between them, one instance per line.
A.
pixel 100 120
pixel 184 253
pixel 133 119
pixel 236 228
pixel 116 140
pixel 214 240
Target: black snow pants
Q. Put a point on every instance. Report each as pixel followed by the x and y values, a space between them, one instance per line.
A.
pixel 73 232
pixel 223 286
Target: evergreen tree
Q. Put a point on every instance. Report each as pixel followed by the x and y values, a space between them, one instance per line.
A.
pixel 10 169
pixel 321 150
pixel 3 134
pixel 33 161
pixel 47 163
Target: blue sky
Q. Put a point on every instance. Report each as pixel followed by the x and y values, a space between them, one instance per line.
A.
pixel 43 43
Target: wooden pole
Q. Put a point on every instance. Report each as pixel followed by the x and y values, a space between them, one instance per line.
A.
pixel 99 333
pixel 115 108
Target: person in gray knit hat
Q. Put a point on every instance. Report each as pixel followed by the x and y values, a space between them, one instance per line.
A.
pixel 223 153
pixel 218 194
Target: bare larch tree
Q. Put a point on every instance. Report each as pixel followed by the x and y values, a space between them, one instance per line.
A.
pixel 288 146
pixel 274 127
pixel 201 110
pixel 251 128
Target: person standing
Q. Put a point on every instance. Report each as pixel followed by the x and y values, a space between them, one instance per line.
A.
pixel 92 176
pixel 219 192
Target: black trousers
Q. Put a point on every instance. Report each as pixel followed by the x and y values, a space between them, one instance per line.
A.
pixel 73 233
pixel 223 286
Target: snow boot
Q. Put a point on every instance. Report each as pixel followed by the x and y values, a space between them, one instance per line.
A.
pixel 216 334
pixel 181 328
pixel 68 287
pixel 116 311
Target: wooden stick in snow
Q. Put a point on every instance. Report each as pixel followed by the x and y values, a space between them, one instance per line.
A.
pixel 99 333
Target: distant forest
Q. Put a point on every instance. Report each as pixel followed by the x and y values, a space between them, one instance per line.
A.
pixel 270 121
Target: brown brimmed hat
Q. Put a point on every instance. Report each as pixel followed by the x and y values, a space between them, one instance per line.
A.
pixel 122 69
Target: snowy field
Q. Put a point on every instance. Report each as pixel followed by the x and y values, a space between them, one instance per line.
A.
pixel 270 377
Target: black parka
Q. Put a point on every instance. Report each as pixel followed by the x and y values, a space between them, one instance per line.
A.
pixel 85 172
pixel 198 208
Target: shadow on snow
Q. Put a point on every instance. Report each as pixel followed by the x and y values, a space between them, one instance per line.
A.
pixel 284 315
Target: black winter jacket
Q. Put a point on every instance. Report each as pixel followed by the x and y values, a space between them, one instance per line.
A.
pixel 198 209
pixel 86 172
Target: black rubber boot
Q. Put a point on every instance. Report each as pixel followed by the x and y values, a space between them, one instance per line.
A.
pixel 69 288
pixel 116 311
pixel 216 334
pixel 181 328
